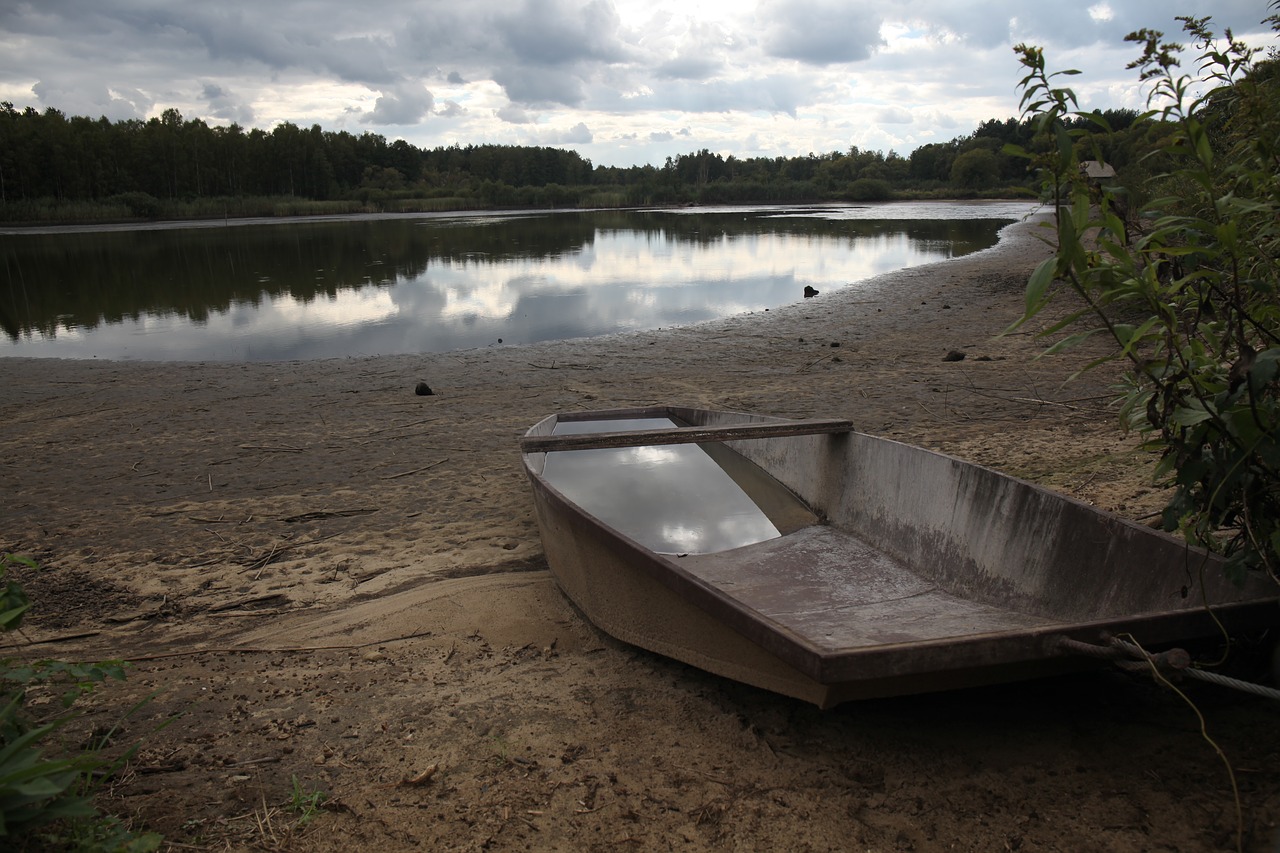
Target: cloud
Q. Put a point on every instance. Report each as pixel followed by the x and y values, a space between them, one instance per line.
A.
pixel 820 32
pixel 579 134
pixel 894 115
pixel 224 105
pixel 689 66
pixel 513 114
pixel 782 76
pixel 93 99
pixel 701 51
pixel 403 104
pixel 541 86
pixel 451 109
pixel 561 32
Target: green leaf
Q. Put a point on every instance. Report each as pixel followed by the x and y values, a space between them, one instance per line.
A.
pixel 12 618
pixel 1038 285
pixel 1069 342
pixel 1188 416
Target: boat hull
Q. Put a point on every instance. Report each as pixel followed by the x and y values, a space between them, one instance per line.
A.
pixel 927 574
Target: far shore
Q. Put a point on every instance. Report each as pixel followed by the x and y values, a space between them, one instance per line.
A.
pixel 203 219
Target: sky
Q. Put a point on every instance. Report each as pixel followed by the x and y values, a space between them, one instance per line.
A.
pixel 623 82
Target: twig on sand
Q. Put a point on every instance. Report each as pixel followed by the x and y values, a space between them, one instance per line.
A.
pixel 328 513
pixel 63 639
pixel 257 650
pixel 270 759
pixel 415 470
pixel 283 448
pixel 564 365
pixel 262 562
pixel 819 361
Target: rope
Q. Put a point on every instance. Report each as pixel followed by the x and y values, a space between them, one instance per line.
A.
pixel 1227 681
pixel 1133 658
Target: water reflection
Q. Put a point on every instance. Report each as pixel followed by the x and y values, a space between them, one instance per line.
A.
pixel 370 286
pixel 672 499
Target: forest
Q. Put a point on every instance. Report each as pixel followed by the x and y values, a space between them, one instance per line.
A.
pixel 55 168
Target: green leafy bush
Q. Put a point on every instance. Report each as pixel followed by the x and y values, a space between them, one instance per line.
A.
pixel 870 189
pixel 1188 291
pixel 45 799
pixel 140 204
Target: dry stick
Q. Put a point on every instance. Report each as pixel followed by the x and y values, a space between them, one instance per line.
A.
pixel 819 361
pixel 562 366
pixel 321 514
pixel 415 470
pixel 63 639
pixel 256 599
pixel 229 650
pixel 270 759
pixel 284 448
pixel 263 562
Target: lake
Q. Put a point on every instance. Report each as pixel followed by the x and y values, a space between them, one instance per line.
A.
pixel 278 290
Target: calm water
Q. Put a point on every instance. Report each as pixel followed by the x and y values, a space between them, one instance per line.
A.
pixel 672 499
pixel 280 290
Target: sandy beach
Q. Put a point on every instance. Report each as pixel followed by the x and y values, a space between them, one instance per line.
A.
pixel 336 580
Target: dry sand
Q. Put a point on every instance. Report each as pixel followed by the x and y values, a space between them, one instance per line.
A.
pixel 336 580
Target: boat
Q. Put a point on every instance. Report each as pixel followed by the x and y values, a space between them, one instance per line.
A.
pixel 810 559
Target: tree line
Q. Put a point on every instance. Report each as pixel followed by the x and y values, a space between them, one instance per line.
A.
pixel 57 167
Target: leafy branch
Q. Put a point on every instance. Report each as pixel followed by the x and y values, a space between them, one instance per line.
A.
pixel 49 800
pixel 1187 289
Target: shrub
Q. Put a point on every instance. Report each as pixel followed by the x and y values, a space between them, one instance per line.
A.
pixel 1191 302
pixel 44 800
pixel 139 204
pixel 869 189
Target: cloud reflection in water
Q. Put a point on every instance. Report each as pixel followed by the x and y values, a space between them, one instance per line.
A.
pixel 308 291
pixel 672 499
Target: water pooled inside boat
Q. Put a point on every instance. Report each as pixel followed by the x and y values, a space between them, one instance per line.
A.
pixel 676 498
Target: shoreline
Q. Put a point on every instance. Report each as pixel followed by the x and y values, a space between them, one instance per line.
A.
pixel 337 580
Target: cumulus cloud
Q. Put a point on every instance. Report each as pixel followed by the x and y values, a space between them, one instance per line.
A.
pixel 451 109
pixel 224 105
pixel 513 114
pixel 699 52
pixel 402 104
pixel 820 32
pixel 689 66
pixel 541 86
pixel 893 115
pixel 561 32
pixel 579 134
pixel 777 73
pixel 93 99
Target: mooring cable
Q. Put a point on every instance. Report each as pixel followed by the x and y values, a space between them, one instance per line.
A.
pixel 1169 662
